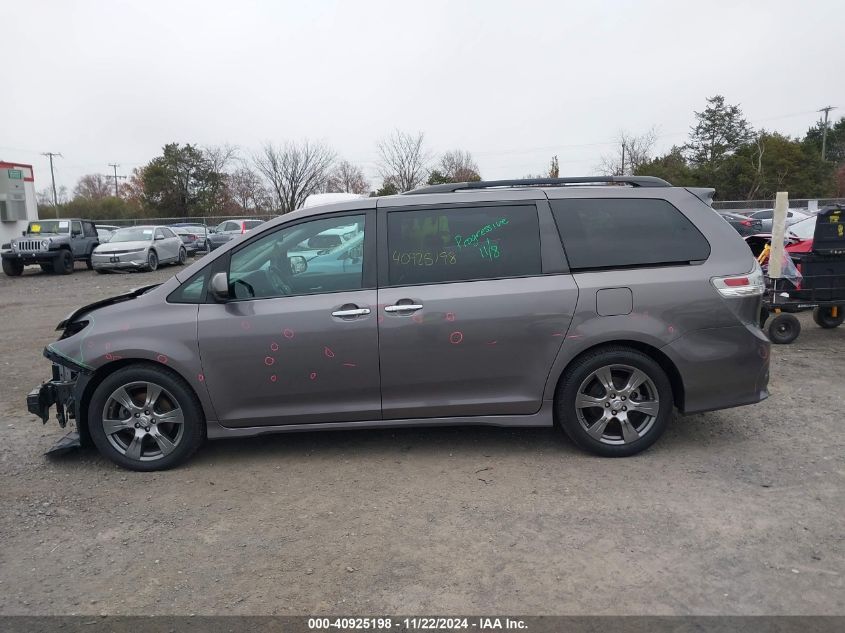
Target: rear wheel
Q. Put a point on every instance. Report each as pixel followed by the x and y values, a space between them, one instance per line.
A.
pixel 145 418
pixel 183 256
pixel 63 264
pixel 823 316
pixel 152 261
pixel 614 402
pixel 88 262
pixel 784 328
pixel 13 267
pixel 47 268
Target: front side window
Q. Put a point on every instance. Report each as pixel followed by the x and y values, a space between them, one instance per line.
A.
pixel 76 228
pixel 159 233
pixel 282 263
pixel 620 233
pixel 462 244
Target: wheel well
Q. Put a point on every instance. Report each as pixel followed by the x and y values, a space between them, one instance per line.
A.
pixel 655 354
pixel 101 374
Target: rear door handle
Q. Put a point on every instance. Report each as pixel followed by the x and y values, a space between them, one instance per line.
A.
pixel 403 307
pixel 351 313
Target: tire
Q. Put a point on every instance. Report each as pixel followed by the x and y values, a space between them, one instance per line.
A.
pixel 823 316
pixel 63 264
pixel 88 262
pixel 13 267
pixel 101 271
pixel 183 256
pixel 152 261
pixel 605 429
pixel 784 329
pixel 155 444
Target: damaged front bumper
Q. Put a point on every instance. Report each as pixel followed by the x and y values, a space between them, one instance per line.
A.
pixel 60 392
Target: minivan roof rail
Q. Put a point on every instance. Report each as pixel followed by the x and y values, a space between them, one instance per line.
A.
pixel 633 181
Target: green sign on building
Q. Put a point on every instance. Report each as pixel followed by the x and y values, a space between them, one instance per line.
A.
pixel 15 174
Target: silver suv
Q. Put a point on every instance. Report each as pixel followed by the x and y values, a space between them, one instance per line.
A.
pixel 594 304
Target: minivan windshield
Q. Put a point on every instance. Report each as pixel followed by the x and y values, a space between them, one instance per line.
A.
pixel 134 234
pixel 48 226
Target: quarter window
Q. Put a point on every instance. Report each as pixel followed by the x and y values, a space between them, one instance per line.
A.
pixel 297 261
pixel 604 233
pixel 462 244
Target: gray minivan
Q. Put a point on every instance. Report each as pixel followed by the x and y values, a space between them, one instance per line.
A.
pixel 596 304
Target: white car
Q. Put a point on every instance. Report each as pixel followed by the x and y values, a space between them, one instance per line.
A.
pixel 766 215
pixel 139 248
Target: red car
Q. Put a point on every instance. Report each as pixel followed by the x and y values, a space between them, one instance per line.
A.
pixel 799 238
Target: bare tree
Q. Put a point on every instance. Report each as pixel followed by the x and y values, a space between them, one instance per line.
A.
pixel 631 152
pixel 218 158
pixel 247 190
pixel 347 178
pixel 403 160
pixel 295 171
pixel 458 166
pixel 93 187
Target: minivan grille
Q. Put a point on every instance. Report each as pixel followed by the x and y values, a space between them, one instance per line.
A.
pixel 32 245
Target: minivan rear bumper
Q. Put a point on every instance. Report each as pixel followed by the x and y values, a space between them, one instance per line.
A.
pixel 721 367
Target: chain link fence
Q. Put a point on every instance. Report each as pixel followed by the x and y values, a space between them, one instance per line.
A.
pixel 209 221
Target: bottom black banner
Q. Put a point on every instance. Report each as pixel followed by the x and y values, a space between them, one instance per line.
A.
pixel 403 624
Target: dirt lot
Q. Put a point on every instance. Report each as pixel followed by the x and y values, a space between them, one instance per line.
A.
pixel 737 512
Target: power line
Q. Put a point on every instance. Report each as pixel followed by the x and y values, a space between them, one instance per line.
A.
pixel 53 178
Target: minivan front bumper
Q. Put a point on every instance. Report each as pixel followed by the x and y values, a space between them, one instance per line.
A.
pixel 722 367
pixel 58 392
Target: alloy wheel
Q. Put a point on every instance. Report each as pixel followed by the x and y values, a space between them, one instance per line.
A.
pixel 143 421
pixel 617 404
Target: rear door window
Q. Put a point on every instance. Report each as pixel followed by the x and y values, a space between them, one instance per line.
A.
pixel 462 244
pixel 622 233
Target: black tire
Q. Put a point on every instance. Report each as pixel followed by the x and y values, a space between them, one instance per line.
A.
pixel 192 427
pixel 13 267
pixel 152 261
pixel 581 373
pixel 89 262
pixel 183 257
pixel 102 271
pixel 784 328
pixel 46 268
pixel 823 316
pixel 63 264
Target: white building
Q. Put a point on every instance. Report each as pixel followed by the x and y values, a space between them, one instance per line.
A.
pixel 17 199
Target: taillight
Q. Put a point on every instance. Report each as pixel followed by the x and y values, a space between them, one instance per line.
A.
pixel 746 223
pixel 243 228
pixel 748 285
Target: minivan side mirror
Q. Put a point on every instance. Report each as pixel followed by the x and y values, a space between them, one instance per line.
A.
pixel 219 287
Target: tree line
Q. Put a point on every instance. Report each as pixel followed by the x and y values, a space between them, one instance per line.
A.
pixel 192 181
pixel 186 180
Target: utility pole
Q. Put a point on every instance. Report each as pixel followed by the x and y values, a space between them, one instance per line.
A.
pixel 115 166
pixel 53 178
pixel 826 111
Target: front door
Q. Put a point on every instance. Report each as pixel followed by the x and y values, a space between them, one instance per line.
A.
pixel 297 344
pixel 469 322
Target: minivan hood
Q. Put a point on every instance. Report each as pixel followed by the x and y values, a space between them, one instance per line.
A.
pixel 126 296
pixel 111 247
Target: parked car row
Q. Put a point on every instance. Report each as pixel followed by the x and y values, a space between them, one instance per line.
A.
pixel 55 245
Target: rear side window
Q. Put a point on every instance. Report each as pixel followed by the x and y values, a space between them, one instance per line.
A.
pixel 620 233
pixel 462 244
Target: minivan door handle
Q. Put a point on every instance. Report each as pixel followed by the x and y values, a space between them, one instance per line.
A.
pixel 351 312
pixel 403 307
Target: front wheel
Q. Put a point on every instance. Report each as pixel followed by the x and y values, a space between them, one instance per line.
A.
pixel 784 328
pixel 13 267
pixel 63 264
pixel 152 261
pixel 614 402
pixel 824 316
pixel 145 418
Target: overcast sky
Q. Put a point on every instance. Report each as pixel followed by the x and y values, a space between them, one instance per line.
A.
pixel 513 82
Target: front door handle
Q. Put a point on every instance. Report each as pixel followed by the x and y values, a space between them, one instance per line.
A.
pixel 351 312
pixel 403 307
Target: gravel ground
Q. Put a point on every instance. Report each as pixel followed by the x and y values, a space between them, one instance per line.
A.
pixel 737 512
